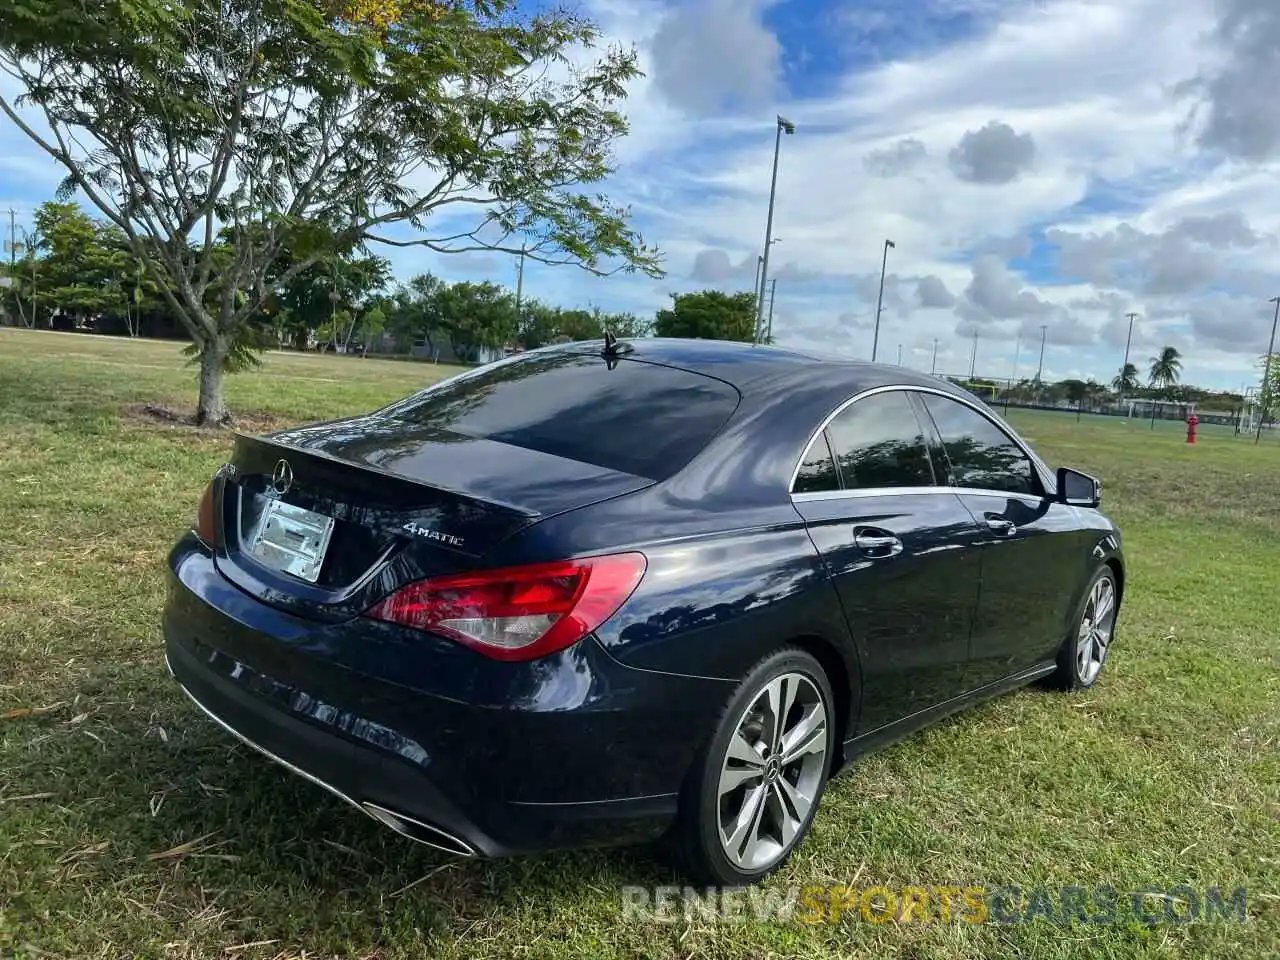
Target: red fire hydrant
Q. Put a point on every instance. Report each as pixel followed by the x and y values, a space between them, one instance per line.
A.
pixel 1191 428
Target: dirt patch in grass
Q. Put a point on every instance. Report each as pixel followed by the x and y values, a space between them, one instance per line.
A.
pixel 158 415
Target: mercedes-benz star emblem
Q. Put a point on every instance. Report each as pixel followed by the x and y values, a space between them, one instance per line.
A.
pixel 282 478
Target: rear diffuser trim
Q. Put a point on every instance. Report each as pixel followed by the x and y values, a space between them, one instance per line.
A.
pixel 404 825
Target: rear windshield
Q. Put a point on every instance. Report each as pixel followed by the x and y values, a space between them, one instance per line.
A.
pixel 637 418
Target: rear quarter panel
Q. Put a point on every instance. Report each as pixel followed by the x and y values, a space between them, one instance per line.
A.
pixel 721 590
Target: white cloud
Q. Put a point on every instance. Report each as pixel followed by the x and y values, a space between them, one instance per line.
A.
pixel 900 157
pixel 996 154
pixel 1153 208
pixel 1068 117
pixel 715 53
pixel 932 292
pixel 1241 113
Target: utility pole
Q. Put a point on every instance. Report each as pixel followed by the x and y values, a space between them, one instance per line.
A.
pixel 1266 373
pixel 884 262
pixel 773 295
pixel 12 279
pixel 933 367
pixel 13 253
pixel 759 291
pixel 973 357
pixel 35 294
pixel 520 280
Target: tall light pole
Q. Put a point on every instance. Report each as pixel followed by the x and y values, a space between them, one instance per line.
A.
pixel 1017 355
pixel 899 354
pixel 1266 372
pixel 884 262
pixel 933 367
pixel 1044 330
pixel 1127 344
pixel 784 126
pixel 973 357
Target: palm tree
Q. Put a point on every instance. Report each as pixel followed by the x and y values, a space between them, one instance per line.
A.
pixel 1166 368
pixel 1127 381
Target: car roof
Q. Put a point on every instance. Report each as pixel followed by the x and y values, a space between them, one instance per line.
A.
pixel 785 397
pixel 753 368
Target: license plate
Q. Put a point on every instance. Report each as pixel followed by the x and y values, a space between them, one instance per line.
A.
pixel 291 539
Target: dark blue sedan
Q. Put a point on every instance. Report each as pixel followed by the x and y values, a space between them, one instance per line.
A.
pixel 604 593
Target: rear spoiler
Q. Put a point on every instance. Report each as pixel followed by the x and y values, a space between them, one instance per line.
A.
pixel 250 457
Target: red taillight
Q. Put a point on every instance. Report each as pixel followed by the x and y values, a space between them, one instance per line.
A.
pixel 205 528
pixel 518 613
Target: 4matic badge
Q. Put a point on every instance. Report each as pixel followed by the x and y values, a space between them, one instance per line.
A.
pixel 426 533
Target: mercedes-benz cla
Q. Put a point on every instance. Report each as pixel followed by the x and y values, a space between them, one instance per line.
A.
pixel 603 593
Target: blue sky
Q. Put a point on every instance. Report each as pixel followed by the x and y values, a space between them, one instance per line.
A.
pixel 1055 163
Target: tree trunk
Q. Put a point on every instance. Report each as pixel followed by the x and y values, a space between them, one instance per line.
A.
pixel 211 411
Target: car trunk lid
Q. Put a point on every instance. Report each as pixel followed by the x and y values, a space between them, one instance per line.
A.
pixel 382 502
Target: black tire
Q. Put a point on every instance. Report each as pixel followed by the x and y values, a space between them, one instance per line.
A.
pixel 696 837
pixel 1071 674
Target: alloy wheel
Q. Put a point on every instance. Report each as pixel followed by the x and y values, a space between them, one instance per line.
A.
pixel 1096 626
pixel 772 772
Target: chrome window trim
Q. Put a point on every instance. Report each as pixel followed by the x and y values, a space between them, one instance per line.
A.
pixel 868 492
pixel 865 492
pixel 1042 470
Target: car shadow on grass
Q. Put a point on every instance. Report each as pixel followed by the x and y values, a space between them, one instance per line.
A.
pixel 172 808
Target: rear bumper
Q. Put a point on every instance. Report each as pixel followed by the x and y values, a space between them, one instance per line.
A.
pixel 467 755
pixel 432 835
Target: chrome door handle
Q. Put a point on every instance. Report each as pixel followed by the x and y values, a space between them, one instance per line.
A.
pixel 1001 525
pixel 877 545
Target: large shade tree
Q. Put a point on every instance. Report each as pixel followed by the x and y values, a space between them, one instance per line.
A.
pixel 78 267
pixel 709 315
pixel 476 315
pixel 321 125
pixel 347 282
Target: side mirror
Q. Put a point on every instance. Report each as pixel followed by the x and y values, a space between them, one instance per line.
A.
pixel 1078 489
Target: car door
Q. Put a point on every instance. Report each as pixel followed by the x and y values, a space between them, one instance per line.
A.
pixel 901 551
pixel 1031 556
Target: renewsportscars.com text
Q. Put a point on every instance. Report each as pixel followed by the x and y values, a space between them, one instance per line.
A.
pixel 937 903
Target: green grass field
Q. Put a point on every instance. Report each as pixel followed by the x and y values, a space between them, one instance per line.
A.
pixel 131 827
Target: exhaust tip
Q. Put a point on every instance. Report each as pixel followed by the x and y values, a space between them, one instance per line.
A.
pixel 416 830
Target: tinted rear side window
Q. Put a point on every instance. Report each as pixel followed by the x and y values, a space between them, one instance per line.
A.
pixel 817 473
pixel 878 442
pixel 637 418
